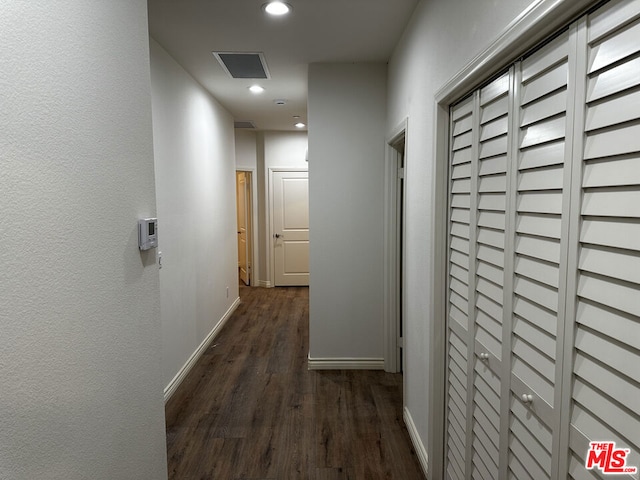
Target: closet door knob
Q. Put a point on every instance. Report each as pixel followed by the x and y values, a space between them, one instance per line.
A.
pixel 527 398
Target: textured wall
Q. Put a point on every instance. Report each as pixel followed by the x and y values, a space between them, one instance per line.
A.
pixel 346 197
pixel 442 37
pixel 194 149
pixel 80 385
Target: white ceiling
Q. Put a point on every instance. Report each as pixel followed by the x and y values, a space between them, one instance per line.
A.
pixel 315 31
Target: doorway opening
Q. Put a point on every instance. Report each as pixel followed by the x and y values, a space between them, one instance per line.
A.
pixel 394 249
pixel 244 211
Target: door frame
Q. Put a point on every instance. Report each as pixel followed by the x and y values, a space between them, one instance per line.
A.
pixel 271 274
pixel 539 21
pixel 394 248
pixel 253 221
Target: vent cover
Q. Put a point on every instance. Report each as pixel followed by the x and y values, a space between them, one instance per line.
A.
pixel 243 124
pixel 243 65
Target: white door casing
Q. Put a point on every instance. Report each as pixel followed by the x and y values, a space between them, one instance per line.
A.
pixel 290 227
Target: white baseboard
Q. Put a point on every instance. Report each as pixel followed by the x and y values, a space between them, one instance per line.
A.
pixel 416 441
pixel 263 283
pixel 346 363
pixel 184 371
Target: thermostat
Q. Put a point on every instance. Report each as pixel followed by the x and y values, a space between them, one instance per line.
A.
pixel 147 233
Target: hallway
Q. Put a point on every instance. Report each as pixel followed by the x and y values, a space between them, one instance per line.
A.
pixel 250 409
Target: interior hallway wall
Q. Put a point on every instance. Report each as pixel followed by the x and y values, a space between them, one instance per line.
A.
pixel 346 197
pixel 194 149
pixel 441 38
pixel 81 386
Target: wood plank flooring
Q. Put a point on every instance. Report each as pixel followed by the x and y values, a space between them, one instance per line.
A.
pixel 250 409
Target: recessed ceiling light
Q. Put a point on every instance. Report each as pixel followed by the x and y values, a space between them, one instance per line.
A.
pixel 280 101
pixel 256 89
pixel 300 125
pixel 277 8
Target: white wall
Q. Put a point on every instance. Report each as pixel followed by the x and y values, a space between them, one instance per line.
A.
pixel 346 196
pixel 442 37
pixel 81 389
pixel 246 154
pixel 195 178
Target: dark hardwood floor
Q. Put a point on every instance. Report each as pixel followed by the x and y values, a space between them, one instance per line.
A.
pixel 250 409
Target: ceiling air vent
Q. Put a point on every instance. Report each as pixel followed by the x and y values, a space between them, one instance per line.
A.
pixel 243 65
pixel 243 124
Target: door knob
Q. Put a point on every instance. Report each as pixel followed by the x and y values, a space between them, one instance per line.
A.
pixel 277 235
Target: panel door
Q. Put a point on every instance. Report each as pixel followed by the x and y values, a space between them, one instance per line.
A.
pixel 291 228
pixel 243 203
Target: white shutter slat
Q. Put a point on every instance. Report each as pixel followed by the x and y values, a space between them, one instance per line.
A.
pixel 460 215
pixel 489 272
pixel 614 80
pixel 547 107
pixel 493 310
pixel 460 230
pixel 461 185
pixel 619 296
pixel 461 201
pixel 540 202
pixel 611 16
pixel 527 459
pixel 542 155
pixel 538 247
pixel 611 323
pixel 495 109
pixel 543 132
pixel 461 171
pixel 487 398
pixel 488 341
pixel 541 179
pixel 491 255
pixel 493 147
pixel 611 263
pixel 541 339
pixel 618 419
pixel 613 354
pixel 613 142
pixel 462 125
pixel 540 271
pixel 541 225
pixel 462 156
pixel 534 446
pixel 623 172
pixel 494 128
pixel 492 201
pixel 548 56
pixel 537 293
pixel 543 366
pixel 493 183
pixel 493 220
pixel 613 111
pixel 489 289
pixel 459 245
pixel 546 83
pixel 493 165
pixel 489 322
pixel 497 88
pixel 462 141
pixel 542 319
pixel 624 43
pixel 607 381
pixel 494 238
pixel 613 202
pixel 611 232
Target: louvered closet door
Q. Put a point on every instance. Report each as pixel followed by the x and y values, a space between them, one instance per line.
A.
pixel 606 360
pixel 541 196
pixel 461 156
pixel 490 219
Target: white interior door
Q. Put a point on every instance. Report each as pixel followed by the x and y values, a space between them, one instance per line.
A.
pixel 291 228
pixel 243 205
